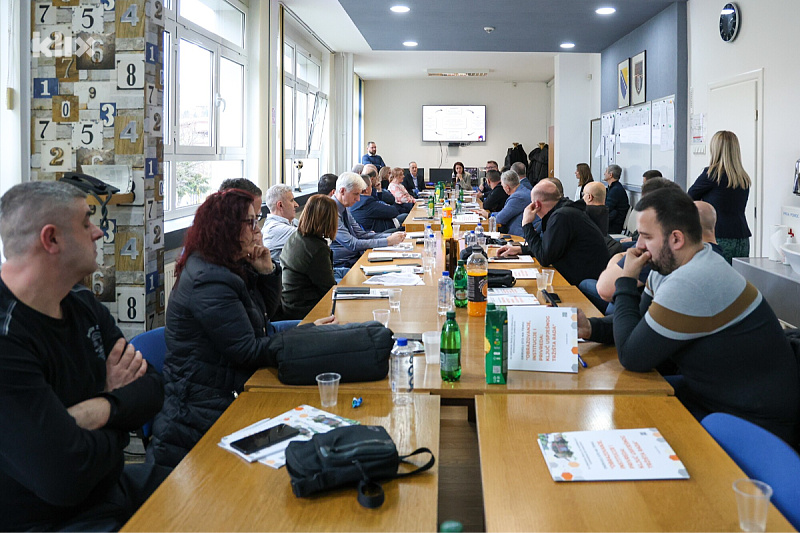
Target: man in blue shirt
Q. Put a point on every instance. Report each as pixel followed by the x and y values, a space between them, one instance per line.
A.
pixel 372 157
pixel 510 217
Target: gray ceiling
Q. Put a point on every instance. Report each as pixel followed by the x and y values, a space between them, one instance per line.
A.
pixel 520 25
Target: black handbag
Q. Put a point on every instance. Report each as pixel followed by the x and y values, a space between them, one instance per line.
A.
pixel 500 277
pixel 347 456
pixel 356 351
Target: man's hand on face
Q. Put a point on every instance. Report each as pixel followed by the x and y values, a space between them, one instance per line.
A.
pixel 530 213
pixel 635 260
pixel 124 365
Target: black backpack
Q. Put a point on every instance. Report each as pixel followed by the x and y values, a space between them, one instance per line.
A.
pixel 348 455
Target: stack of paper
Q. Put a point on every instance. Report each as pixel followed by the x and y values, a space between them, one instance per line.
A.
pixel 373 270
pixel 395 278
pixel 511 296
pixel 371 295
pixel 469 218
pixel 524 273
pixel 309 420
pixel 400 247
pixel 517 259
pixel 393 255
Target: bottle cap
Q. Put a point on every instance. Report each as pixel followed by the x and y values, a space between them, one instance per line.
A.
pixel 451 315
pixel 402 341
pixel 451 526
pixel 490 307
pixel 460 262
pixel 446 273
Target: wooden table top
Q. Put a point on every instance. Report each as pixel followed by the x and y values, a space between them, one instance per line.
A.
pixel 519 494
pixel 420 210
pixel 214 490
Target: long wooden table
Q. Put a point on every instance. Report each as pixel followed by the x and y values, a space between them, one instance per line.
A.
pixel 519 494
pixel 420 211
pixel 214 490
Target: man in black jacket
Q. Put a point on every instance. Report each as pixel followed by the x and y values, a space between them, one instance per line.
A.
pixel 71 389
pixel 496 199
pixel 375 215
pixel 569 240
pixel 616 199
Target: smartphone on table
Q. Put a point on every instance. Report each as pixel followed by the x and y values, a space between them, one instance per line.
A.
pixel 264 439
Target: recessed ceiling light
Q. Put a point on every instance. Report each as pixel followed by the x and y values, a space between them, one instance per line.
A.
pixel 605 11
pixel 567 45
pixel 410 43
pixel 727 11
pixel 400 9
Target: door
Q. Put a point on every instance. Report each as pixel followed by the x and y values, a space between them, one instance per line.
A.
pixel 733 107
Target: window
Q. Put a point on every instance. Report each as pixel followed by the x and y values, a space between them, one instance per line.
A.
pixel 304 111
pixel 205 76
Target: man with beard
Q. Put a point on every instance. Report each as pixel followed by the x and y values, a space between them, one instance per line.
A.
pixel 700 314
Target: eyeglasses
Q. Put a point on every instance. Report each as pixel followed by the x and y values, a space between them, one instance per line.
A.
pixel 253 222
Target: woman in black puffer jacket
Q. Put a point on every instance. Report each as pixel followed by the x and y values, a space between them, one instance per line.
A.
pixel 218 327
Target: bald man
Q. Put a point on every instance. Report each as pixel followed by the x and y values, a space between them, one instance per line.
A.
pixel 568 240
pixel 708 221
pixel 594 194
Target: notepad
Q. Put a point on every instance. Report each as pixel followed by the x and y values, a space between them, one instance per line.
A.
pixel 373 256
pixel 372 294
pixel 525 273
pixel 610 455
pixel 517 259
pixel 400 247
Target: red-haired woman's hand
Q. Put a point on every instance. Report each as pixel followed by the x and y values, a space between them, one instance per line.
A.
pixel 261 259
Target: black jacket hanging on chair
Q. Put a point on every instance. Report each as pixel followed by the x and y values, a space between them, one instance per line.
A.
pixel 537 168
pixel 514 154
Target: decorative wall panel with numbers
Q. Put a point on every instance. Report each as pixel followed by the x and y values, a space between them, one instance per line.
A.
pixel 97 100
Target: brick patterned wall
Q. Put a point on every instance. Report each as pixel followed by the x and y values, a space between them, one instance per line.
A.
pixel 97 97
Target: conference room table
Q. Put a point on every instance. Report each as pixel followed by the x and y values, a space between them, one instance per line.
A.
pixel 519 493
pixel 214 490
pixel 418 218
pixel 603 375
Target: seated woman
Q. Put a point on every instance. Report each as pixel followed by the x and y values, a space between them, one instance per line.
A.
pixel 396 187
pixel 218 328
pixel 464 179
pixel 307 258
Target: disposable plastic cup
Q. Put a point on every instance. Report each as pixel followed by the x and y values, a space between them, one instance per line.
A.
pixel 432 341
pixel 541 281
pixel 382 316
pixel 328 388
pixel 394 299
pixel 456 231
pixel 551 274
pixel 752 499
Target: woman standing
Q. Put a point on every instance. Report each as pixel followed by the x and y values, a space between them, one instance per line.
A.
pixel 584 175
pixel 725 185
pixel 218 328
pixel 464 179
pixel 307 259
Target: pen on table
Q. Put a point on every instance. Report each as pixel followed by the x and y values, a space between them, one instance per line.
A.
pixel 333 307
pixel 582 362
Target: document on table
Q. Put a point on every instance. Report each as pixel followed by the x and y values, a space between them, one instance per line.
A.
pixel 395 279
pixel 610 455
pixel 372 270
pixel 415 235
pixel 371 295
pixel 401 247
pixel 511 296
pixel 394 255
pixel 309 420
pixel 525 273
pixel 543 338
pixel 517 259
pixel 469 218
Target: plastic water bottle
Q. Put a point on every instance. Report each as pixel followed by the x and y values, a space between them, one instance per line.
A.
pixel 402 372
pixel 446 294
pixel 480 237
pixel 469 239
pixel 492 223
pixel 429 240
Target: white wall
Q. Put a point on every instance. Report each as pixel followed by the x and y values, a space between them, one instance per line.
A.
pixel 766 40
pixel 393 119
pixel 576 103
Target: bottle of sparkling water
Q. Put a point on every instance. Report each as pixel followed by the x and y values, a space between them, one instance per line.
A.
pixel 469 239
pixel 445 293
pixel 402 372
pixel 480 237
pixel 450 349
pixel 492 223
pixel 460 284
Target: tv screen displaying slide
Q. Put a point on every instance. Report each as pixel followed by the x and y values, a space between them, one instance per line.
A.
pixel 454 123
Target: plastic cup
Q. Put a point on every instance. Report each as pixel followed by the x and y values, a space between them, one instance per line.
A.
pixel 432 341
pixel 382 316
pixel 551 274
pixel 328 388
pixel 456 231
pixel 752 499
pixel 394 299
pixel 541 281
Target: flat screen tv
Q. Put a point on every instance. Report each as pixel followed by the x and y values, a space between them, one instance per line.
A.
pixel 454 123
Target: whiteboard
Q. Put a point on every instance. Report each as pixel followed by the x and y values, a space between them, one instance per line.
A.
pixel 644 139
pixel 595 154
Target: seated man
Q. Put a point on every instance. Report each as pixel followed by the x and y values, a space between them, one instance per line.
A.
pixel 700 314
pixel 374 215
pixel 496 196
pixel 594 195
pixel 708 221
pixel 569 240
pixel 327 184
pixel 413 181
pixel 281 222
pixel 351 240
pixel 71 388
pixel 522 171
pixel 509 218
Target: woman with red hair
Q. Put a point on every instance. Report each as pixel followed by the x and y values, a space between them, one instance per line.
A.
pixel 218 328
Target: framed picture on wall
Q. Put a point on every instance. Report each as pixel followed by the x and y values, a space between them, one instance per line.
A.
pixel 639 77
pixel 623 83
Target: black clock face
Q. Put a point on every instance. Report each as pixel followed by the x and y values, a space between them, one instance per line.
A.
pixel 729 22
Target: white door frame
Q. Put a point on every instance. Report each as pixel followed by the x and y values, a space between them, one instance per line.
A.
pixel 757 76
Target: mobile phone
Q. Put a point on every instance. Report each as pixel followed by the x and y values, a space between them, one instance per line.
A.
pixel 352 290
pixel 264 439
pixel 553 297
pixel 386 260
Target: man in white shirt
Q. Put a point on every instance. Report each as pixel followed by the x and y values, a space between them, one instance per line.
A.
pixel 281 221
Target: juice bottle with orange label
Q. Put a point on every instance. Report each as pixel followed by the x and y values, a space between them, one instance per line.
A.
pixel 477 284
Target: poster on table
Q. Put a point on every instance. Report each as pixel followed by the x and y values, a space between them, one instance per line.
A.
pixel 543 338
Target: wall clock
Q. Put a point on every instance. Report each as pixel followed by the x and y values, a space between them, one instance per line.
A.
pixel 730 18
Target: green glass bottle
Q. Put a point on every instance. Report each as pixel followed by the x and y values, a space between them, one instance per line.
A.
pixel 460 283
pixel 450 349
pixel 431 207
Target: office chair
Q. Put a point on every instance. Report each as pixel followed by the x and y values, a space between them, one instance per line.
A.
pixel 154 348
pixel 763 456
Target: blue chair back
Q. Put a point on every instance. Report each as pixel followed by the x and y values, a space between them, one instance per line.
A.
pixel 153 347
pixel 762 456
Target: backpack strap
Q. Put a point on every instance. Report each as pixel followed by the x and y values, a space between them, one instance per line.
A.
pixel 370 493
pixel 426 466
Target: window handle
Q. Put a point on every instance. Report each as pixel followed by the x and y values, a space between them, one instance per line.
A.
pixel 219 101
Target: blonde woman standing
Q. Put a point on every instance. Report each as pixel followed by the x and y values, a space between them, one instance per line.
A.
pixel 725 185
